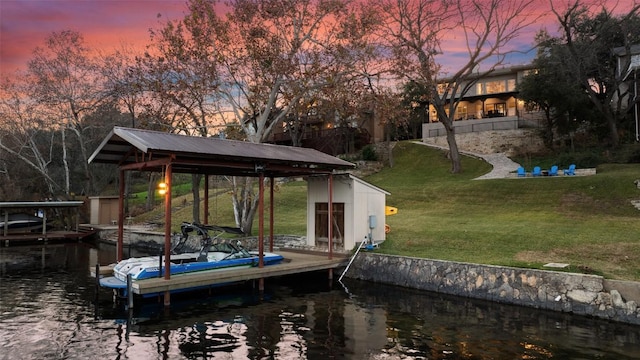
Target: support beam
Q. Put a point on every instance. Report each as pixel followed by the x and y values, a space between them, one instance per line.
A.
pixel 271 180
pixel 120 243
pixel 330 214
pixel 261 221
pixel 206 199
pixel 167 232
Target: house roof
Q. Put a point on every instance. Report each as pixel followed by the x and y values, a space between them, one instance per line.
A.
pixel 146 150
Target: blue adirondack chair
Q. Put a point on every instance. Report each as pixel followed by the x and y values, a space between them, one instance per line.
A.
pixel 536 171
pixel 571 170
pixel 522 172
pixel 553 171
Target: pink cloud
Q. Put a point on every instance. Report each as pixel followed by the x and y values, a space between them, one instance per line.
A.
pixel 25 24
pixel 105 24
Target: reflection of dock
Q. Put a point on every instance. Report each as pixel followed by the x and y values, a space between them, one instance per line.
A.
pixel 294 262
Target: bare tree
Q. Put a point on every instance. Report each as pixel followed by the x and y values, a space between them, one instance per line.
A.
pixel 251 67
pixel 416 31
pixel 278 52
pixel 26 136
pixel 66 79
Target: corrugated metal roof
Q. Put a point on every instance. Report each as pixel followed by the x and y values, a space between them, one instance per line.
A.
pixel 148 150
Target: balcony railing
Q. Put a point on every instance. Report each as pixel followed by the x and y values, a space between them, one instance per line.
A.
pixel 485 124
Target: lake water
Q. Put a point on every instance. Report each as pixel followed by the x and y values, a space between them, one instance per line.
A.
pixel 48 311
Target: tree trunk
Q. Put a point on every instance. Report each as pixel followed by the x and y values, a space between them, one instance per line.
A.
pixel 613 129
pixel 454 153
pixel 244 202
pixel 65 162
pixel 195 190
pixel 150 192
pixel 389 152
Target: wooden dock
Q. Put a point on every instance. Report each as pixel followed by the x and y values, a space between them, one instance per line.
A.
pixel 50 236
pixel 294 262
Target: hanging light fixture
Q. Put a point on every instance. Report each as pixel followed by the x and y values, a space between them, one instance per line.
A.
pixel 162 186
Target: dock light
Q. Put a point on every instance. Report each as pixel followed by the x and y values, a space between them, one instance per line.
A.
pixel 162 188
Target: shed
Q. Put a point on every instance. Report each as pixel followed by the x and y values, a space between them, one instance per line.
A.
pixel 103 209
pixel 358 211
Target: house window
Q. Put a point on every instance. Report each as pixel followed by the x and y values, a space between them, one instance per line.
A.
pixel 494 87
pixel 461 113
pixel 511 85
pixel 479 89
pixel 496 110
pixel 322 226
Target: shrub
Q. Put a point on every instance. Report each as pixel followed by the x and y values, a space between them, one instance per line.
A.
pixel 369 153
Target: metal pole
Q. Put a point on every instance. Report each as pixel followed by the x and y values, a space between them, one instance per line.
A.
pixel 206 199
pixel 97 294
pixel 261 221
pixel 271 215
pixel 635 102
pixel 330 214
pixel 167 233
pixel 351 261
pixel 97 281
pixel 167 224
pixel 119 248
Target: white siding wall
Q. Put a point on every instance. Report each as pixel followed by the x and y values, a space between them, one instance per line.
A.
pixel 360 200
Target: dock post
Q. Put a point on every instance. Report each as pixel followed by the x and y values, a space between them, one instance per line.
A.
pixel 97 279
pixel 129 292
pixel 97 294
pixel 167 298
pixel 160 267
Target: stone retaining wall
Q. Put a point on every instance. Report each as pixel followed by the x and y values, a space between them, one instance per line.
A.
pixel 559 291
pixel 510 142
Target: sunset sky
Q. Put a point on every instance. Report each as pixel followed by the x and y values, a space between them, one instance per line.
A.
pixel 106 24
pixel 24 24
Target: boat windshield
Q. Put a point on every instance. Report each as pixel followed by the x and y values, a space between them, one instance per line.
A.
pixel 209 238
pixel 230 248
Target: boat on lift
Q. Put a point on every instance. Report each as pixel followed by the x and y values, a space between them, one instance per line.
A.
pixel 21 222
pixel 215 254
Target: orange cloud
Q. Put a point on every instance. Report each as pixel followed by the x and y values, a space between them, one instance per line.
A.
pixel 25 24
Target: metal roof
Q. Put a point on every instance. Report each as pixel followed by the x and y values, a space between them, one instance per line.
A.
pixel 146 150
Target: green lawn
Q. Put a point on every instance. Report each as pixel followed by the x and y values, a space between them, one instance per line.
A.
pixel 587 221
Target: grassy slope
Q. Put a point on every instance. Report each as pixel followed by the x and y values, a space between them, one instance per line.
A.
pixel 587 222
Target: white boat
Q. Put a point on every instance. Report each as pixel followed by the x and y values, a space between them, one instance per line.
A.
pixel 21 222
pixel 214 255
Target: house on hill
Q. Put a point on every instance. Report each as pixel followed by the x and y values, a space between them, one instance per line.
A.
pixel 491 104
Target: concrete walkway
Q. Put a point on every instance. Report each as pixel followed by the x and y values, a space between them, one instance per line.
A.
pixel 502 165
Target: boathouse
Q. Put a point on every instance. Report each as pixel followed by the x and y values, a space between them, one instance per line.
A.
pixel 146 150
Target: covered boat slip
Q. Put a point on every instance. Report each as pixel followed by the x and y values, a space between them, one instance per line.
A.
pixel 145 150
pixel 17 224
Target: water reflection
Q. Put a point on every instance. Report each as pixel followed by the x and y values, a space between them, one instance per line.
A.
pixel 48 310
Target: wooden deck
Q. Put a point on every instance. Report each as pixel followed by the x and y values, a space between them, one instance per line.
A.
pixel 294 262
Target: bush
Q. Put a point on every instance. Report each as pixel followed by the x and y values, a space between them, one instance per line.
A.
pixel 369 153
